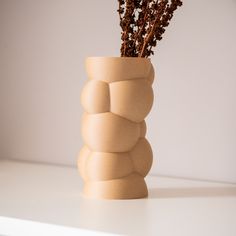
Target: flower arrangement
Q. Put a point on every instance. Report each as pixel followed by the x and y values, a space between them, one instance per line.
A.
pixel 143 23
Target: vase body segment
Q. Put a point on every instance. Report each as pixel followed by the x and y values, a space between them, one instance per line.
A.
pixel 116 99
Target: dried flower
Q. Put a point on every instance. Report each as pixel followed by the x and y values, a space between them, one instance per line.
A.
pixel 143 23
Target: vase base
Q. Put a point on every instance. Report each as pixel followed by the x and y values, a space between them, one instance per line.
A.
pixel 130 187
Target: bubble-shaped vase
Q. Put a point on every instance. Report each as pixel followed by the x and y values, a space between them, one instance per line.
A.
pixel 116 99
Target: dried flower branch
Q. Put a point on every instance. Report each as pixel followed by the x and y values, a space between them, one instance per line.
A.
pixel 143 23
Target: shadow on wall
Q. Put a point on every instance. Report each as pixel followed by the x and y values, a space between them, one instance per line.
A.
pixel 192 192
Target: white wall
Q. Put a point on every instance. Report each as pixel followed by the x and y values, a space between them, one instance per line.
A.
pixel 192 125
pixel 2 88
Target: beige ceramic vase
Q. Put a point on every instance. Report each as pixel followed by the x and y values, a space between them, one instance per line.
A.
pixel 116 98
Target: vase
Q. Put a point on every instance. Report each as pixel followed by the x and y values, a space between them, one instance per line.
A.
pixel 116 99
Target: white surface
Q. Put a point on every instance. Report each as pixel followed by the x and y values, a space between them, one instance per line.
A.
pixel 52 195
pixel 192 126
pixel 18 227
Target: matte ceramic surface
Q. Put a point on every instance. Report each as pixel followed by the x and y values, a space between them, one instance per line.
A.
pixel 116 99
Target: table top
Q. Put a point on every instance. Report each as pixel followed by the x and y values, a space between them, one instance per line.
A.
pixel 40 198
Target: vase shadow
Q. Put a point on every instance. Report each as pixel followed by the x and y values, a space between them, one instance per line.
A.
pixel 116 216
pixel 192 192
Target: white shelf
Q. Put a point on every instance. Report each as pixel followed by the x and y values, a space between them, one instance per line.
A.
pixel 38 199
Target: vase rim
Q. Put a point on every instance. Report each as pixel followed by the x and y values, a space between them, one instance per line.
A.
pixel 118 57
